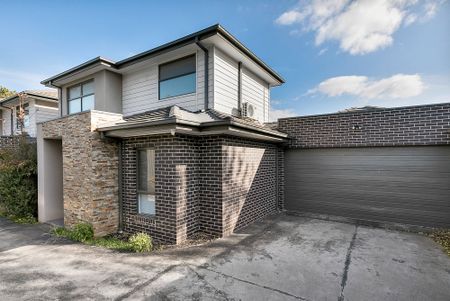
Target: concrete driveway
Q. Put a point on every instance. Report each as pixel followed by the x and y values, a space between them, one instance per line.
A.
pixel 281 258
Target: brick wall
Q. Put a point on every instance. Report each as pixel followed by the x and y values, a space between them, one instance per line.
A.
pixel 12 142
pixel 416 125
pixel 176 188
pixel 90 170
pixel 209 184
pixel 249 182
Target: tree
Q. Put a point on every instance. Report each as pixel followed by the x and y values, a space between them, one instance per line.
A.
pixel 5 92
pixel 21 111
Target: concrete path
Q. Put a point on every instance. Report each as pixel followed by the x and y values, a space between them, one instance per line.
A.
pixel 281 258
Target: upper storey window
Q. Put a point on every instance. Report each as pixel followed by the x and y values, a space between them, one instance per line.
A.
pixel 81 97
pixel 177 77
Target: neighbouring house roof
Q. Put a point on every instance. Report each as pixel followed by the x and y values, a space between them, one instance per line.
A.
pixel 47 94
pixel 177 120
pixel 186 40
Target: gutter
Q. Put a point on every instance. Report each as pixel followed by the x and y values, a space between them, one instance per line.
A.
pixel 240 88
pixel 200 45
pixel 120 189
pixel 204 125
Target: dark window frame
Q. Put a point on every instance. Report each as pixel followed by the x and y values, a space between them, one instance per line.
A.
pixel 81 95
pixel 138 191
pixel 173 77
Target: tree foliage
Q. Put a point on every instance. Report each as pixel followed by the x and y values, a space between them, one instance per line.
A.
pixel 18 180
pixel 5 92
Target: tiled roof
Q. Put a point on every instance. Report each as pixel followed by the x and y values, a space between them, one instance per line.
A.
pixel 200 118
pixel 47 93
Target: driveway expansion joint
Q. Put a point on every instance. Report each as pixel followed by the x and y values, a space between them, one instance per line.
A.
pixel 348 260
pixel 255 284
pixel 144 284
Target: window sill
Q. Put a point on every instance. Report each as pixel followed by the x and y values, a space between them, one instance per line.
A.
pixel 147 216
pixel 178 96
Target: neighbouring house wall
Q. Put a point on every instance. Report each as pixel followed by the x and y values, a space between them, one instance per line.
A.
pixel 90 170
pixel 39 111
pixel 254 90
pixel 45 111
pixel 140 87
pixel 12 142
pixel 416 125
pixel 6 122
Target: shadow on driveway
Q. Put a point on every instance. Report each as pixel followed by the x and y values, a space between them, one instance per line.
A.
pixel 281 258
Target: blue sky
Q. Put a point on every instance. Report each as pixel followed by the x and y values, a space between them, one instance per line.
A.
pixel 334 54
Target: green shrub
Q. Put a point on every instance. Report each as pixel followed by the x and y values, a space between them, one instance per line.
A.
pixel 61 232
pixel 18 180
pixel 24 219
pixel 442 237
pixel 141 242
pixel 82 232
pixel 111 243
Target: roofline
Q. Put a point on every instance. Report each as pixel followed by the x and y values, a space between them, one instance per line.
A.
pixel 367 111
pixel 94 61
pixel 186 40
pixel 12 97
pixel 203 125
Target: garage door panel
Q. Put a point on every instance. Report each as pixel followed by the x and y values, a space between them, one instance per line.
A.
pixel 336 199
pixel 395 184
pixel 412 190
pixel 413 217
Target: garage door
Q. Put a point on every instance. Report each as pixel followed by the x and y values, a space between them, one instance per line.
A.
pixel 409 185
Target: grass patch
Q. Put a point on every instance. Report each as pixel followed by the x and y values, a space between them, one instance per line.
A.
pixel 442 237
pixel 24 220
pixel 139 242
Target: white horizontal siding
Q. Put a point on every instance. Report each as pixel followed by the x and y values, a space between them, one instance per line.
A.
pixel 6 119
pixel 225 83
pixel 255 92
pixel 44 113
pixel 140 90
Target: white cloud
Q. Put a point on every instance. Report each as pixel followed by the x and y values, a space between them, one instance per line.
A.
pixel 322 51
pixel 360 26
pixel 289 18
pixel 396 86
pixel 275 114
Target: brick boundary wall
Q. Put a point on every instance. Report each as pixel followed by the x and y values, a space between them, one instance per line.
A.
pixel 12 142
pixel 404 126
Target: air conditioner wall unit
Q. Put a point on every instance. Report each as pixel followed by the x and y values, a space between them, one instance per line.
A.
pixel 248 110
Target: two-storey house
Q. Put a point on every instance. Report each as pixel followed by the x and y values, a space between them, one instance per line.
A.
pixel 20 112
pixel 171 141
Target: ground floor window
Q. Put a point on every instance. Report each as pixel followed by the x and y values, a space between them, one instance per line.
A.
pixel 146 181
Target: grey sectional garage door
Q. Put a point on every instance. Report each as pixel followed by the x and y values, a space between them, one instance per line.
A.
pixel 409 185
